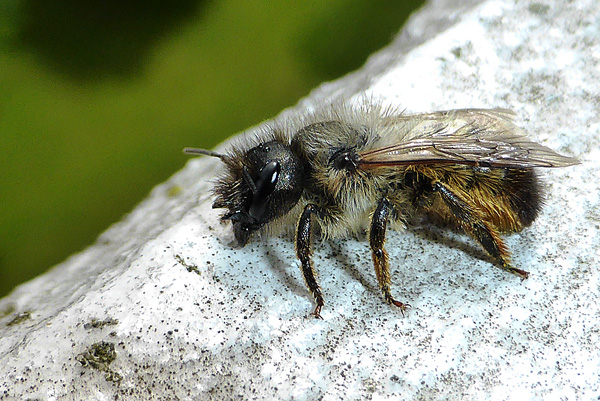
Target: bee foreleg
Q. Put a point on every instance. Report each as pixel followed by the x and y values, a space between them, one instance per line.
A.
pixel 304 253
pixel 377 230
pixel 485 233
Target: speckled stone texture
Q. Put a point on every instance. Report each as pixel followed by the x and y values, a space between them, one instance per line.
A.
pixel 162 307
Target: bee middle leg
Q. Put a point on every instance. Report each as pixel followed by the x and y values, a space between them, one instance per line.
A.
pixel 485 233
pixel 377 231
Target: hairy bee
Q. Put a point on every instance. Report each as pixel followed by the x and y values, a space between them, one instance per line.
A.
pixel 346 168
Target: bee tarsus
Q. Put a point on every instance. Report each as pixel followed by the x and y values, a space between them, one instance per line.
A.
pixel 403 306
pixel 519 272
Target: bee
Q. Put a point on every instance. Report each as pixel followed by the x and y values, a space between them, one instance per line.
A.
pixel 349 168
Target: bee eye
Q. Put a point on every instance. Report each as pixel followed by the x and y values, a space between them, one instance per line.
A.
pixel 264 186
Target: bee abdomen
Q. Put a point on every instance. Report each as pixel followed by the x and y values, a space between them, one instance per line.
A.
pixel 510 203
pixel 525 194
pixel 508 198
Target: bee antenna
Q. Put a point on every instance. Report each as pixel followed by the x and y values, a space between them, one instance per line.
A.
pixel 248 178
pixel 196 151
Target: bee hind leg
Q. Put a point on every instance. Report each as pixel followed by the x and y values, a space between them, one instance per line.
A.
pixel 304 253
pixel 377 232
pixel 486 234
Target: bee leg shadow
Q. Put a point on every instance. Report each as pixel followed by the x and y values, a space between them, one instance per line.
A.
pixel 278 262
pixel 342 252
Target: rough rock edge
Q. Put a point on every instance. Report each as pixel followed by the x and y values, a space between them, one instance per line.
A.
pixel 233 323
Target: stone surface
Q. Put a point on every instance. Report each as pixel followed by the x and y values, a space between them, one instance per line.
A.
pixel 161 307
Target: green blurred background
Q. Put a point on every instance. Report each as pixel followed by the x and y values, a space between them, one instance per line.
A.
pixel 98 97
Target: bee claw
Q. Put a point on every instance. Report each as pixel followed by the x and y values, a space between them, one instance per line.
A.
pixel 521 273
pixel 317 314
pixel 403 307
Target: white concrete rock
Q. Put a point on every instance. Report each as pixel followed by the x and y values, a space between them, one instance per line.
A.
pixel 180 314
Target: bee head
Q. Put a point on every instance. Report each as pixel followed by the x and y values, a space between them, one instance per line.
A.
pixel 262 184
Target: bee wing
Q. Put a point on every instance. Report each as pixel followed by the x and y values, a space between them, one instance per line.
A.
pixel 470 136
